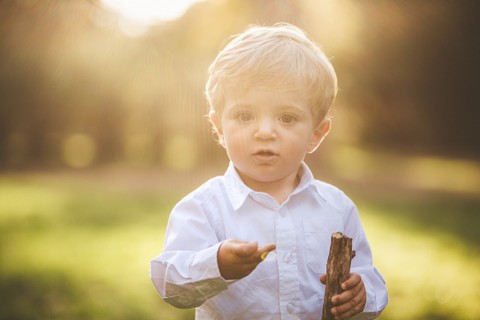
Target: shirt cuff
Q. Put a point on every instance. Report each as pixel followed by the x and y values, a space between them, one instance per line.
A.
pixel 371 303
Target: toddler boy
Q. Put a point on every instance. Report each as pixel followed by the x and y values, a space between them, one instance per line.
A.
pixel 253 243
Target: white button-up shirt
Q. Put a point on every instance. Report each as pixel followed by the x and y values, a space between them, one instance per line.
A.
pixel 284 286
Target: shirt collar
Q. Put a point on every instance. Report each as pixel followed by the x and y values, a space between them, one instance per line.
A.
pixel 308 184
pixel 238 191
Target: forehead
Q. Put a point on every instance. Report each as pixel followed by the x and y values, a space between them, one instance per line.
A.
pixel 263 84
pixel 264 98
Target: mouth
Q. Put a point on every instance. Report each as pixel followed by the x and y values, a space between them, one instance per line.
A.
pixel 265 155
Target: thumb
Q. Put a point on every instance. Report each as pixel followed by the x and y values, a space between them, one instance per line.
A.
pixel 246 249
pixel 323 278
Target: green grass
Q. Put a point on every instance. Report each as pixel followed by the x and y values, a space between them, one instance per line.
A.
pixel 72 250
pixel 431 263
pixel 77 248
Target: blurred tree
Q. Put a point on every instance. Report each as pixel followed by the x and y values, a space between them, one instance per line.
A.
pixel 415 80
pixel 408 74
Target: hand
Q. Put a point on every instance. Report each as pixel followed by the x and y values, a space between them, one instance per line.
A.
pixel 352 300
pixel 238 258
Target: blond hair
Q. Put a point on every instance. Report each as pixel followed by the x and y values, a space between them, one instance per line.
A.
pixel 281 57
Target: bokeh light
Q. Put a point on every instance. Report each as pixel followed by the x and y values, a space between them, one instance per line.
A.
pixel 79 150
pixel 103 130
pixel 181 153
pixel 136 16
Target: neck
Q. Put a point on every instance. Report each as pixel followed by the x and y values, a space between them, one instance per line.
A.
pixel 279 189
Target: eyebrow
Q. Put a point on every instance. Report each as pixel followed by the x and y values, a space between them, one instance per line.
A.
pixel 293 108
pixel 287 107
pixel 240 107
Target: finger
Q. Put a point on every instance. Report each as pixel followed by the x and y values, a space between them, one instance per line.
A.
pixel 350 302
pixel 351 307
pixel 347 295
pixel 264 251
pixel 230 246
pixel 353 280
pixel 268 248
pixel 323 278
pixel 244 250
pixel 347 314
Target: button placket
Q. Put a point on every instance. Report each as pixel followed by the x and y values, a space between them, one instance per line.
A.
pixel 291 307
pixel 287 257
pixel 287 266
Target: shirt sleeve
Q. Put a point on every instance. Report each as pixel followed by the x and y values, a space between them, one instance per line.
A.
pixel 362 263
pixel 186 273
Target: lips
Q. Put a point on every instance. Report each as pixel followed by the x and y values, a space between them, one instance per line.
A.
pixel 265 155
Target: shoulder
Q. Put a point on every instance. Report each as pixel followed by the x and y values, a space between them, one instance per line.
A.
pixel 339 205
pixel 333 196
pixel 204 208
pixel 208 193
pixel 208 188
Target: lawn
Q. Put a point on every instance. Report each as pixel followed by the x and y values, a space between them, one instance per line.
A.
pixel 78 246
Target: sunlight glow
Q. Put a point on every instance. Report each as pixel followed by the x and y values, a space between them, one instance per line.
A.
pixel 136 16
pixel 143 13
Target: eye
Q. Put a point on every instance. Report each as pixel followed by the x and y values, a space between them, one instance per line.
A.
pixel 288 118
pixel 244 116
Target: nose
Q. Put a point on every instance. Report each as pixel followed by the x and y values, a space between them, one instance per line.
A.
pixel 265 129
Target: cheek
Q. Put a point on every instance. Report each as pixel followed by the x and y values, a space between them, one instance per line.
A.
pixel 300 141
pixel 235 141
pixel 299 151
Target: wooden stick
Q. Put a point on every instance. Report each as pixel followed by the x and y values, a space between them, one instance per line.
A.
pixel 338 270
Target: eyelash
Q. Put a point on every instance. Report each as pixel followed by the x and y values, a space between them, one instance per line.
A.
pixel 241 116
pixel 291 118
pixel 283 118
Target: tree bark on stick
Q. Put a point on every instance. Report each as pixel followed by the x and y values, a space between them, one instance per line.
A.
pixel 338 270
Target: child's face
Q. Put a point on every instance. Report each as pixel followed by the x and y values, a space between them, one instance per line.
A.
pixel 267 133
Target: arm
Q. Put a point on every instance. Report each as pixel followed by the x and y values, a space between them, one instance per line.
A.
pixel 195 264
pixel 186 273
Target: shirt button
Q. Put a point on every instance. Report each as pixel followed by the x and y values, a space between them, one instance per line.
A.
pixel 291 307
pixel 287 257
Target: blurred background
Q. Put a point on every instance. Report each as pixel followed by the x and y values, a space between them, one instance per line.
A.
pixel 103 130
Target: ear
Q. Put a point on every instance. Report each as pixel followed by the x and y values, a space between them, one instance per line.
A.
pixel 216 123
pixel 319 133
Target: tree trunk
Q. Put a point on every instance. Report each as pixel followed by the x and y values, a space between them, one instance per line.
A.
pixel 338 270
